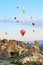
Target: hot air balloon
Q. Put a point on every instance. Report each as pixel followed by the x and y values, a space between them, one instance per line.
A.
pixel 6 33
pixel 22 32
pixel 23 11
pixel 17 7
pixel 30 17
pixel 15 18
pixel 17 21
pixel 33 30
pixel 33 23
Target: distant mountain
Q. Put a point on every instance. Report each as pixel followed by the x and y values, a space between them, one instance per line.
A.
pixel 32 42
pixel 40 41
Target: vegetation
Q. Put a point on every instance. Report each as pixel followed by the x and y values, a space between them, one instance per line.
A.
pixel 29 63
pixel 19 63
pixel 5 64
pixel 16 57
pixel 13 58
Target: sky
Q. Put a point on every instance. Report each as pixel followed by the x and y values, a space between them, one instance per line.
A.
pixel 9 10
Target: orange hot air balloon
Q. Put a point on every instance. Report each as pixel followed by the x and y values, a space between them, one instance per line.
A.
pixel 22 32
pixel 6 33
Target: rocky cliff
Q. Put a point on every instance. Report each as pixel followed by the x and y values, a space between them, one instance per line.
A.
pixel 9 48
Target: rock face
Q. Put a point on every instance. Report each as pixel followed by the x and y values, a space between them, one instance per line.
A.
pixel 6 47
pixel 34 56
pixel 12 47
pixel 36 47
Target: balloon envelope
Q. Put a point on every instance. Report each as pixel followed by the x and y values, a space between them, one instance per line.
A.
pixel 33 24
pixel 17 7
pixel 31 17
pixel 22 32
pixel 33 30
pixel 6 33
pixel 14 17
pixel 17 21
pixel 24 11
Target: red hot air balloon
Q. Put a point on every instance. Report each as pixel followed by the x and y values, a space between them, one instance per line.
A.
pixel 22 32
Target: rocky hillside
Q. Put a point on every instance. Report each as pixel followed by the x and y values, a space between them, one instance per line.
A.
pixel 9 48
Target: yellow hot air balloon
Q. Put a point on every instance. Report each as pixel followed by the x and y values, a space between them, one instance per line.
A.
pixel 23 11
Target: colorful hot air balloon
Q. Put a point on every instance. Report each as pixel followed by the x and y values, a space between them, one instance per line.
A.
pixel 23 11
pixel 22 32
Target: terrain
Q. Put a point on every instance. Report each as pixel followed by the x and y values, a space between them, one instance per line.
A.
pixel 14 52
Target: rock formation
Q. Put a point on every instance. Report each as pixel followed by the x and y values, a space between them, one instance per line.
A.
pixel 9 48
